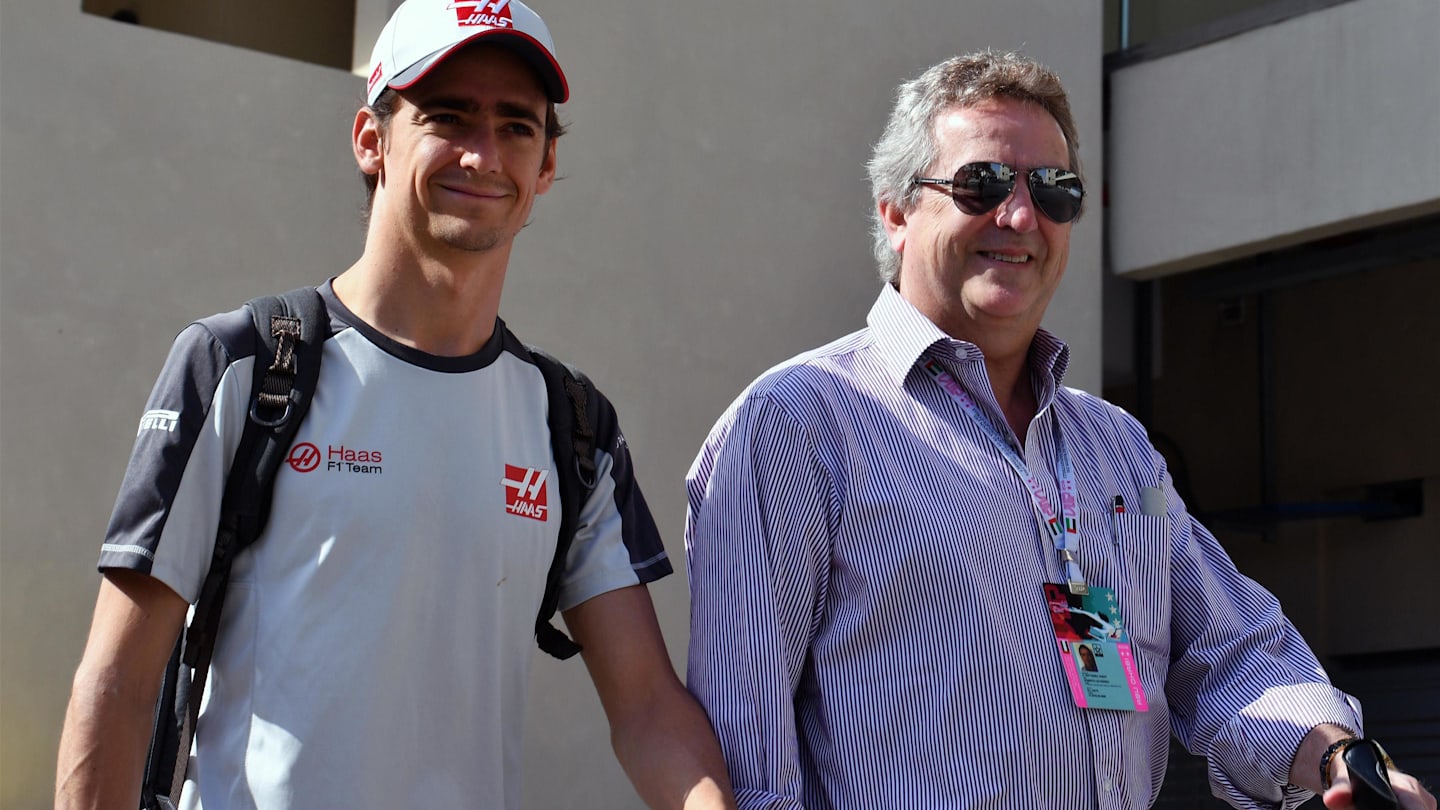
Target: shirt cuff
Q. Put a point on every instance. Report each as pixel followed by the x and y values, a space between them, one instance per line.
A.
pixel 1252 755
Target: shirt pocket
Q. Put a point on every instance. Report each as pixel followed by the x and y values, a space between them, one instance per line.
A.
pixel 1143 547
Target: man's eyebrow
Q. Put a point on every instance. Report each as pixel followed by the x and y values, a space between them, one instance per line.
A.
pixel 455 103
pixel 510 109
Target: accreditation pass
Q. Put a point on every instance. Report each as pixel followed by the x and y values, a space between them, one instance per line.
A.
pixel 1095 649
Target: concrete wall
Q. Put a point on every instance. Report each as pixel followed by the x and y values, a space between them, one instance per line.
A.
pixel 145 178
pixel 1324 123
pixel 315 31
pixel 1159 19
pixel 711 222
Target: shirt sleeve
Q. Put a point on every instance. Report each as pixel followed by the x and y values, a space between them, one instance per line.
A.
pixel 1244 688
pixel 168 506
pixel 758 548
pixel 616 541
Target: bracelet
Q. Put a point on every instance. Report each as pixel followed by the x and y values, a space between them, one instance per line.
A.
pixel 1335 748
pixel 1340 747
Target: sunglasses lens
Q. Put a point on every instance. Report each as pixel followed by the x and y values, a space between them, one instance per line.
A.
pixel 1057 193
pixel 980 187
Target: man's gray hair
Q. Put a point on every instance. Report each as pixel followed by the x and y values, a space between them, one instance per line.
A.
pixel 907 147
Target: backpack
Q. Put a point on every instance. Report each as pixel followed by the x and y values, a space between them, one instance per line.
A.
pixel 291 329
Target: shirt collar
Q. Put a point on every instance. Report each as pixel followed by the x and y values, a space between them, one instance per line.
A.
pixel 903 335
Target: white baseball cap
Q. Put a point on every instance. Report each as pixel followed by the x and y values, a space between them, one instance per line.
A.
pixel 422 33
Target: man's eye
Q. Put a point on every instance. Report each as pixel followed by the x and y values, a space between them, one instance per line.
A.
pixel 445 118
pixel 518 128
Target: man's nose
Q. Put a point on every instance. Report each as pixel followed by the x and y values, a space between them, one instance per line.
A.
pixel 482 152
pixel 1018 211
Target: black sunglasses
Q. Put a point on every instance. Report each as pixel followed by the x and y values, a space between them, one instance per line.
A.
pixel 979 188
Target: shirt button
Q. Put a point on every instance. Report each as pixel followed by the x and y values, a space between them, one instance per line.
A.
pixel 1108 785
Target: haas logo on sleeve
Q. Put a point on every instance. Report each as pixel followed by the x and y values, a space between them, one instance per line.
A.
pixel 525 492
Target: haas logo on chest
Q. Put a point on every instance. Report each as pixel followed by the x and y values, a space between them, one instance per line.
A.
pixel 525 492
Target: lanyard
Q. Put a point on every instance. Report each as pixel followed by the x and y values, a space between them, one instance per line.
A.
pixel 1063 529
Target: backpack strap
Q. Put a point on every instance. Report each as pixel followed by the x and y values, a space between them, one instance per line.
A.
pixel 290 332
pixel 573 412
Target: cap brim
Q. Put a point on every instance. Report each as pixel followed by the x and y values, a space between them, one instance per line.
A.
pixel 520 43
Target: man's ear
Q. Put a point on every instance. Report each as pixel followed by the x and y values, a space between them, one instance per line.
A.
pixel 368 142
pixel 895 220
pixel 547 169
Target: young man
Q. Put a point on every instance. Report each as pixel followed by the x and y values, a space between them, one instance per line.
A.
pixel 375 640
pixel 883 532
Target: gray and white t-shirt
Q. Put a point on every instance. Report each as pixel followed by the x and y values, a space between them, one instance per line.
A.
pixel 376 639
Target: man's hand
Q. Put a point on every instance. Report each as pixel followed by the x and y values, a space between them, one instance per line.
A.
pixel 1341 795
pixel 1305 772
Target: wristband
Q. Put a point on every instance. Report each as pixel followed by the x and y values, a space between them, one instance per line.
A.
pixel 1335 748
pixel 1343 745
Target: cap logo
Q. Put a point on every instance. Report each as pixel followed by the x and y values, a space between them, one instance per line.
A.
pixel 375 76
pixel 489 13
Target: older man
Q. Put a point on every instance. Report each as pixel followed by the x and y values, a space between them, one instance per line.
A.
pixel 898 541
pixel 375 642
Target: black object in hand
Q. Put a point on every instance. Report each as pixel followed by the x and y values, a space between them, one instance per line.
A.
pixel 1369 777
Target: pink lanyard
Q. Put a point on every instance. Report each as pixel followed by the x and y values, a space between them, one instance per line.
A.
pixel 1063 529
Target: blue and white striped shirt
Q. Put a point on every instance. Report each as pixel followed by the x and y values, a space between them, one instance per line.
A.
pixel 868 626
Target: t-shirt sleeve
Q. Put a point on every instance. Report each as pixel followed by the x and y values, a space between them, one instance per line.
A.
pixel 616 541
pixel 168 506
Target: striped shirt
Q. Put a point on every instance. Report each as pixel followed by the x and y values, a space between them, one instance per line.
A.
pixel 868 623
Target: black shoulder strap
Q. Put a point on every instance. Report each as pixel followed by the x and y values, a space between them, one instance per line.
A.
pixel 290 332
pixel 573 405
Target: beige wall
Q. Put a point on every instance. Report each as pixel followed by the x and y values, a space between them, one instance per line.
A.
pixel 711 222
pixel 1321 124
pixel 316 31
